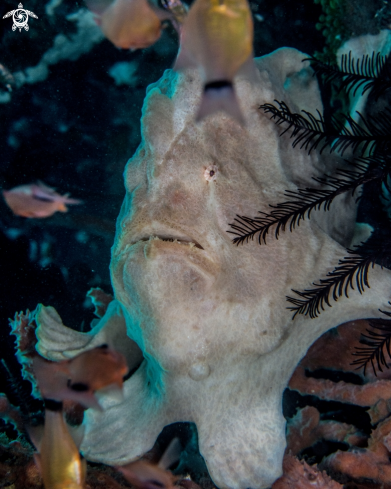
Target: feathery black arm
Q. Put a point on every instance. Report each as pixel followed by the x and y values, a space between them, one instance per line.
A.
pixel 368 73
pixel 351 271
pixel 304 201
pixel 312 132
pixel 377 342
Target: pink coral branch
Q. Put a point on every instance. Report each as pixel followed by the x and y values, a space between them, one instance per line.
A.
pixel 299 475
pixel 361 395
pixel 372 463
pixel 100 300
pixel 305 429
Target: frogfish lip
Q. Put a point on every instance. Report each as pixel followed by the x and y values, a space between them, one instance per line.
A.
pixel 169 237
pixel 160 239
pixel 158 242
pixel 169 241
pixel 163 233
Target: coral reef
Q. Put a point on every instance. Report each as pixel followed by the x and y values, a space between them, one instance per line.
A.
pixel 306 429
pixel 327 381
pixel 342 20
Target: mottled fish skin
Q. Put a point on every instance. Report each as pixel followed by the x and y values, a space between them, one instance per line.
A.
pixel 36 200
pixel 217 37
pixel 59 459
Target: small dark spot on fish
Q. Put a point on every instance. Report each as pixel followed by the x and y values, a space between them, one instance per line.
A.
pixel 217 85
pixel 211 173
pixel 104 346
pixel 52 405
pixel 78 387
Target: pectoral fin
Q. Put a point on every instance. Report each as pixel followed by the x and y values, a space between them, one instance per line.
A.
pixel 171 454
pixel 37 460
pixel 36 434
pixel 77 433
pixel 83 463
pixel 184 61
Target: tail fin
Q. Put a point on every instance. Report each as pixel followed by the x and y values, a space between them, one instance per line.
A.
pixel 220 96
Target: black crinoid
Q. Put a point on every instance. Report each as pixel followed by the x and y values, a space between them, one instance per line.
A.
pixel 377 345
pixel 368 139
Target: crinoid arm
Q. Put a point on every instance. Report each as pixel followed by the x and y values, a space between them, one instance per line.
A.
pixel 369 73
pixel 303 201
pixel 351 272
pixel 377 346
pixel 312 132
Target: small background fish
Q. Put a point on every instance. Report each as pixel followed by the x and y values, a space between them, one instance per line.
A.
pixel 36 200
pixel 217 37
pixel 59 461
pixel 128 24
pixel 81 378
